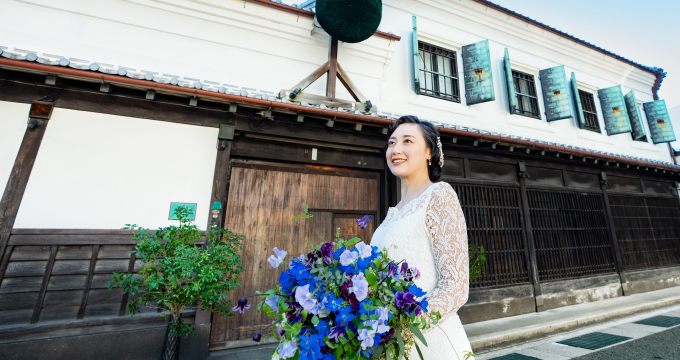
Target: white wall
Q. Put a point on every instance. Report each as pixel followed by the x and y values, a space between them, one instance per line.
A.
pixel 258 47
pixel 675 120
pixel 97 171
pixel 13 117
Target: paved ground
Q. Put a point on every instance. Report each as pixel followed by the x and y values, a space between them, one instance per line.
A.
pixel 643 341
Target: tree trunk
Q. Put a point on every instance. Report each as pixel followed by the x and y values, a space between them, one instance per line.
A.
pixel 171 344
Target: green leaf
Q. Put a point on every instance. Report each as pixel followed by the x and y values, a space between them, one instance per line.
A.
pixel 330 344
pixel 315 321
pixel 353 241
pixel 418 334
pixel 374 317
pixel 297 216
pixel 338 353
pixel 306 209
pixel 370 278
pixel 401 342
pixel 304 315
pixel 350 333
pixel 419 353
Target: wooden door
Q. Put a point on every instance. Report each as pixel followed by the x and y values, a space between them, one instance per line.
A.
pixel 263 198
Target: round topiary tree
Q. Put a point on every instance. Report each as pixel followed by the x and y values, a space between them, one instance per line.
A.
pixel 350 21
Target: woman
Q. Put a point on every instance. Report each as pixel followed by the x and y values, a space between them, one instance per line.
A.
pixel 427 230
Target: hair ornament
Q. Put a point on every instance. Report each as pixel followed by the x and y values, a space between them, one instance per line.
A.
pixel 441 153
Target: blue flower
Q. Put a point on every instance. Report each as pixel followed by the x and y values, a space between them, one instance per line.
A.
pixel 364 221
pixel 337 253
pixel 415 290
pixel 345 314
pixel 310 348
pixel 332 302
pixel 348 257
pixel 323 328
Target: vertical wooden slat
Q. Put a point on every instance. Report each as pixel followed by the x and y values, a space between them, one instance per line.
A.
pixel 530 245
pixel 126 296
pixel 5 261
pixel 88 282
pixel 43 287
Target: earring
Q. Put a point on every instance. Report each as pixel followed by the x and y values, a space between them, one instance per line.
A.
pixel 429 162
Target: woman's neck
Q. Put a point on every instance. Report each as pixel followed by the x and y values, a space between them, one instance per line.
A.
pixel 412 187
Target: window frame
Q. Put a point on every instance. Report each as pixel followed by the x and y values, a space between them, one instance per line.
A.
pixel 526 77
pixel 452 55
pixel 587 112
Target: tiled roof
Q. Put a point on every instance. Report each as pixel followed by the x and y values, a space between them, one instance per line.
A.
pixel 111 73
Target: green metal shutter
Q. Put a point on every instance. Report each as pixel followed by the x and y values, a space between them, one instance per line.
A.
pixel 634 116
pixel 659 121
pixel 614 110
pixel 577 101
pixel 416 62
pixel 477 71
pixel 555 93
pixel 512 97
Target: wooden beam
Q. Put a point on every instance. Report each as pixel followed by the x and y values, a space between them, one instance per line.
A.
pixel 220 187
pixel 312 77
pixel 18 179
pixel 332 67
pixel 350 86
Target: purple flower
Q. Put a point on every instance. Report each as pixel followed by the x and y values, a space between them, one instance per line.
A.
pixel 348 257
pixel 404 299
pixel 326 252
pixel 257 337
pixel 364 221
pixel 275 260
pixel 280 331
pixel 392 269
pixel 338 331
pixel 359 287
pixel 415 273
pixel 404 270
pixel 242 305
pixel 387 337
pixel 304 297
pixel 364 250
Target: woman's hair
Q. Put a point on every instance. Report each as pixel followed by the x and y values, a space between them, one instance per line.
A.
pixel 430 133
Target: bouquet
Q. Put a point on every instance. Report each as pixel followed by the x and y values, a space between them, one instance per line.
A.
pixel 344 300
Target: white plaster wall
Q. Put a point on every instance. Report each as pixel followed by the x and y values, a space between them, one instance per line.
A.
pixel 13 117
pixel 258 47
pixel 97 171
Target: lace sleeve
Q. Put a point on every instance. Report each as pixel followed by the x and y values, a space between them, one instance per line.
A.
pixel 446 224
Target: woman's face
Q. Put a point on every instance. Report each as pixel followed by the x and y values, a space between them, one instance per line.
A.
pixel 407 151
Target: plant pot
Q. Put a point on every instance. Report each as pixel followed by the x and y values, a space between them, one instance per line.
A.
pixel 171 343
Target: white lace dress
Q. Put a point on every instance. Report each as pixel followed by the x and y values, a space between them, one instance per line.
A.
pixel 429 232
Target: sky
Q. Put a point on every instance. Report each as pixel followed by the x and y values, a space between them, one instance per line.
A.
pixel 644 31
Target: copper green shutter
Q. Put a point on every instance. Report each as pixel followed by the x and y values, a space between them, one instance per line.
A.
pixel 477 71
pixel 634 116
pixel 555 93
pixel 659 121
pixel 614 110
pixel 416 69
pixel 512 97
pixel 577 102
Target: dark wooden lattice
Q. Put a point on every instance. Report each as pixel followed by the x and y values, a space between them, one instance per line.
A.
pixel 493 219
pixel 648 231
pixel 570 233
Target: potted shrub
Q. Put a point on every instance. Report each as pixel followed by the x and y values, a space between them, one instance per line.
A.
pixel 177 274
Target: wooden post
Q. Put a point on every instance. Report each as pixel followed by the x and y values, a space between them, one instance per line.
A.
pixel 333 68
pixel 18 179
pixel 530 246
pixel 612 233
pixel 220 188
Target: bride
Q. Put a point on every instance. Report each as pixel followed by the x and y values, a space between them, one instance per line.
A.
pixel 427 230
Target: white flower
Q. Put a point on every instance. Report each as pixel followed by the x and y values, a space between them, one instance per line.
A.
pixel 275 260
pixel 348 257
pixel 364 250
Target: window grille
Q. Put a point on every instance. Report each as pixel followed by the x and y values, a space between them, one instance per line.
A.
pixel 438 72
pixel 589 111
pixel 493 219
pixel 570 235
pixel 525 90
pixel 647 230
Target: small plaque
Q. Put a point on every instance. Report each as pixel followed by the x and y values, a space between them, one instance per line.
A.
pixel 217 205
pixel 190 206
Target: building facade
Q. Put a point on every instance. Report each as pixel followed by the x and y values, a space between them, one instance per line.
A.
pixel 557 149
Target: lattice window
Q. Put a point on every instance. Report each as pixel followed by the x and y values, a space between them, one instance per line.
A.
pixel 438 72
pixel 493 220
pixel 525 90
pixel 570 234
pixel 647 230
pixel 589 111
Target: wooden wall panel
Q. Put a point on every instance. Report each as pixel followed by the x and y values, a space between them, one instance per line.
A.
pixel 261 204
pixel 486 170
pixel 539 176
pixel 656 187
pixel 624 184
pixel 574 179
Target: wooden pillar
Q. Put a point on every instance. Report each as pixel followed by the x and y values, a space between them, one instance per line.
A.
pixel 220 188
pixel 333 68
pixel 612 233
pixel 18 179
pixel 529 238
